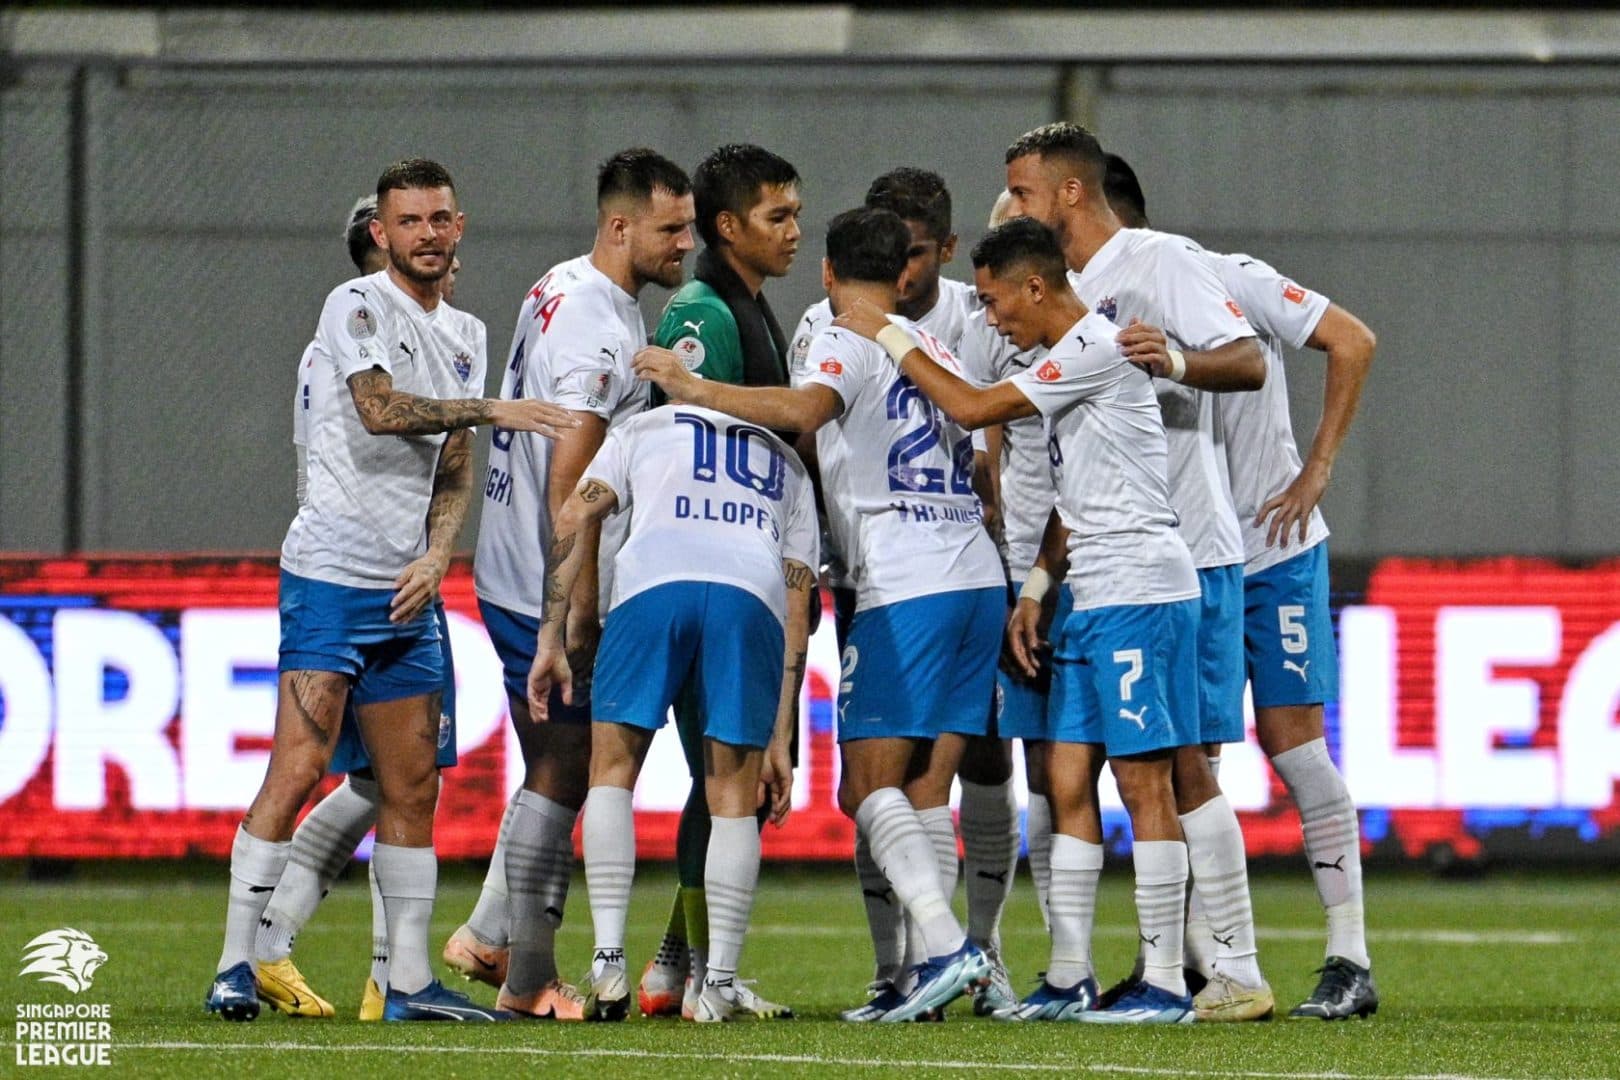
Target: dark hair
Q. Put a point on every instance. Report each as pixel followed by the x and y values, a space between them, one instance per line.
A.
pixel 1022 242
pixel 916 195
pixel 1066 142
pixel 638 173
pixel 731 178
pixel 1124 192
pixel 413 173
pixel 868 245
pixel 357 233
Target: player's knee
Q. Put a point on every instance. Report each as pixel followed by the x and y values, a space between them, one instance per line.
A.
pixel 987 761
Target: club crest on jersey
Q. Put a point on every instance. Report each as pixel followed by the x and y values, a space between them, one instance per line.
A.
pixel 463 363
pixel 832 367
pixel 691 352
pixel 1293 293
pixel 1051 371
pixel 362 323
pixel 1232 306
pixel 1109 308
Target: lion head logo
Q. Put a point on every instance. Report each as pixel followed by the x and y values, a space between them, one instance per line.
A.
pixel 65 956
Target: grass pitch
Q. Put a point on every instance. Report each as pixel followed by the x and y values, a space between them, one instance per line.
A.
pixel 1508 976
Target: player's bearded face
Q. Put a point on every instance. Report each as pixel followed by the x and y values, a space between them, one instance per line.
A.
pixel 660 237
pixel 420 230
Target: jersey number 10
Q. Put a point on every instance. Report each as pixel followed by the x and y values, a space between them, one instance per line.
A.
pixel 740 461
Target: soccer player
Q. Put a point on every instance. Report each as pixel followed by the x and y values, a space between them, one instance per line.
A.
pixel 576 332
pixel 920 657
pixel 361 564
pixel 716 568
pixel 1124 681
pixel 945 309
pixel 1288 631
pixel 747 204
pixel 326 838
pixel 1148 280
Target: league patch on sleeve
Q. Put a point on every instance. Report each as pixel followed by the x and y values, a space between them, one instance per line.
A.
pixel 596 389
pixel 691 352
pixel 800 354
pixel 362 323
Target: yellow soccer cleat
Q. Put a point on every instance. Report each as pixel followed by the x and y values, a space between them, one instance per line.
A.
pixel 281 985
pixel 371 1001
pixel 472 959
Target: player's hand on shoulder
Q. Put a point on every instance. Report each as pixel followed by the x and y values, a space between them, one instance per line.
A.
pixel 1145 346
pixel 864 318
pixel 529 414
pixel 656 364
pixel 416 587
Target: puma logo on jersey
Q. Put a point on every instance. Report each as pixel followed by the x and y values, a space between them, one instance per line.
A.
pixel 991 875
pixel 1084 344
pixel 1298 669
pixel 410 353
pixel 359 292
pixel 697 327
pixel 611 355
pixel 1139 717
pixel 1336 864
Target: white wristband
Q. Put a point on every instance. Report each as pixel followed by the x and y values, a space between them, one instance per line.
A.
pixel 895 341
pixel 1036 585
pixel 1178 366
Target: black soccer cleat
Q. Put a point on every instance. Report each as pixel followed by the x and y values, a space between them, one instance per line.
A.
pixel 1346 990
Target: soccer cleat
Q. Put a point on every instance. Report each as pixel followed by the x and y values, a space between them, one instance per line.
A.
pixel 1048 1002
pixel 717 1002
pixel 473 960
pixel 1225 1000
pixel 435 1001
pixel 282 986
pixel 607 996
pixel 881 996
pixel 372 999
pixel 232 994
pixel 750 1005
pixel 556 1000
pixel 1346 990
pixel 1144 1003
pixel 940 980
pixel 998 992
pixel 689 998
pixel 663 984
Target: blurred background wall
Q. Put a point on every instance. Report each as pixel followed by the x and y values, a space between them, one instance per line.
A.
pixel 172 188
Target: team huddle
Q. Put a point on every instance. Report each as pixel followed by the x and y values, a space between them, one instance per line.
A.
pixel 1062 505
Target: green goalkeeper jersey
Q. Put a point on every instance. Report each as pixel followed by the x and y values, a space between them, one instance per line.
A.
pixel 699 328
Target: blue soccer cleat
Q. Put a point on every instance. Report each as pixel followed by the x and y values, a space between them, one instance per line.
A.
pixel 435 1002
pixel 1144 1003
pixel 881 997
pixel 233 994
pixel 939 981
pixel 1048 1002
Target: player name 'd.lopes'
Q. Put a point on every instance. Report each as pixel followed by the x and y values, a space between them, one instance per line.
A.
pixel 724 510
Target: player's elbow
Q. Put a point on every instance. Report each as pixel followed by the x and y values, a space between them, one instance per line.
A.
pixel 1249 369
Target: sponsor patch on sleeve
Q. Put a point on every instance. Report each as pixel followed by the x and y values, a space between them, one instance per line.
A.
pixel 1051 371
pixel 1293 293
pixel 830 366
pixel 1232 306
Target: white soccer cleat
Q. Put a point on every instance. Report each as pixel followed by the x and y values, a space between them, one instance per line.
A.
pixel 607 994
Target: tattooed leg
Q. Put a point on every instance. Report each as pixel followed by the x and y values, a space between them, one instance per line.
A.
pixel 309 715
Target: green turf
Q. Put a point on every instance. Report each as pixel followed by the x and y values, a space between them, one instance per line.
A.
pixel 1508 976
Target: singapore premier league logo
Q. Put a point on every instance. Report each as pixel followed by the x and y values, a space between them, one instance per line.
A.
pixel 66 956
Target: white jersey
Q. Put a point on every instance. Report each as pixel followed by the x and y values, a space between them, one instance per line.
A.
pixel 577 333
pixel 709 498
pixel 901 476
pixel 365 515
pixel 948 321
pixel 306 369
pixel 1169 282
pixel 1113 491
pixel 1261 455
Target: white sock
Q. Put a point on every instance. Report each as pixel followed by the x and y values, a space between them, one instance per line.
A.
pixel 1038 827
pixel 491 918
pixel 1161 891
pixel 379 932
pixel 730 872
pixel 1199 945
pixel 1220 877
pixel 321 847
pixel 1075 867
pixel 407 877
pixel 1332 843
pixel 539 862
pixel 942 835
pixel 901 847
pixel 989 854
pixel 884 913
pixel 256 867
pixel 610 864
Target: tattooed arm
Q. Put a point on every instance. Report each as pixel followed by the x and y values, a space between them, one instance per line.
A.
pixel 386 411
pixel 776 775
pixel 574 534
pixel 418 584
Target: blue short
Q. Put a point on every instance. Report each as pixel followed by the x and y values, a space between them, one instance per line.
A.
pixel 327 627
pixel 1020 703
pixel 1288 632
pixel 1127 677
pixel 513 635
pixel 918 668
pixel 723 640
pixel 350 754
pixel 1220 654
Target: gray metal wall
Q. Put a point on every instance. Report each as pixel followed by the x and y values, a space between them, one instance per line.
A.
pixel 1467 215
